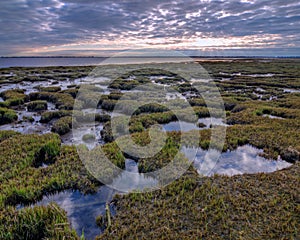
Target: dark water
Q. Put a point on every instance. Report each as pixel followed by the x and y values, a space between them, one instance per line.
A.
pixel 51 61
pixel 79 61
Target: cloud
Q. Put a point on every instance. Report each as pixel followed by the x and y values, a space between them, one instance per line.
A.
pixel 41 27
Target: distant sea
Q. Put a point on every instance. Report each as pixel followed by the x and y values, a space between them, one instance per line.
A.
pixel 6 62
pixel 49 61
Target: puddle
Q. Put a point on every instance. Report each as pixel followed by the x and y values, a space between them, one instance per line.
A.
pixel 172 96
pixel 260 89
pixel 153 78
pixel 82 210
pixel 260 75
pixel 132 180
pixel 212 121
pixel 179 126
pixel 244 159
pixel 27 128
pixel 51 106
pixel 273 98
pixel 247 75
pixel 258 95
pixel 33 86
pixel 186 126
pixel 28 123
pixel 75 136
pixel 290 90
pixel 272 116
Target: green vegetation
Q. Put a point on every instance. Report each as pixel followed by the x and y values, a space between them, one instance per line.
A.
pixel 241 207
pixel 62 125
pixel 13 97
pixel 88 137
pixel 48 116
pixel 73 92
pixel 7 134
pixel 22 182
pixel 258 206
pixel 7 116
pixel 62 101
pixel 49 89
pixel 40 222
pixel 38 105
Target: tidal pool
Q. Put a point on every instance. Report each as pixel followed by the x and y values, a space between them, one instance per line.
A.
pixel 179 126
pixel 28 123
pixel 272 116
pixel 82 210
pixel 132 180
pixel 186 126
pixel 290 90
pixel 75 136
pixel 244 159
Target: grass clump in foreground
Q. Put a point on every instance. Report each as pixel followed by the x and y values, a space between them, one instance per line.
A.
pixel 62 125
pixel 38 105
pixel 40 222
pixel 48 116
pixel 7 116
pixel 258 206
pixel 13 97
pixel 24 182
pixel 62 101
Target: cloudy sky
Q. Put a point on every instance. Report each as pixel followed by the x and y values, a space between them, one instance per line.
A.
pixel 103 27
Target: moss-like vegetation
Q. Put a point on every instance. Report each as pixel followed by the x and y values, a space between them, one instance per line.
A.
pixel 50 89
pixel 73 92
pixel 62 101
pixel 241 207
pixel 258 206
pixel 38 105
pixel 62 125
pixel 22 183
pixel 48 116
pixel 39 222
pixel 13 97
pixel 88 137
pixel 7 116
pixel 7 134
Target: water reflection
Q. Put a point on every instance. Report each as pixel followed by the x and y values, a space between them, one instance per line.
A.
pixel 211 121
pixel 244 159
pixel 179 126
pixel 290 90
pixel 81 209
pixel 186 126
pixel 131 179
pixel 272 116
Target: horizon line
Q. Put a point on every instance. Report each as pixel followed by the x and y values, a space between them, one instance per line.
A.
pixel 233 56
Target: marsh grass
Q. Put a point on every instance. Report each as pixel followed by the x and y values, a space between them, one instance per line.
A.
pixel 38 105
pixel 13 97
pixel 258 206
pixel 7 116
pixel 240 207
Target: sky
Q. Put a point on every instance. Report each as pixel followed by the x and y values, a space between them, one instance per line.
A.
pixel 106 27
